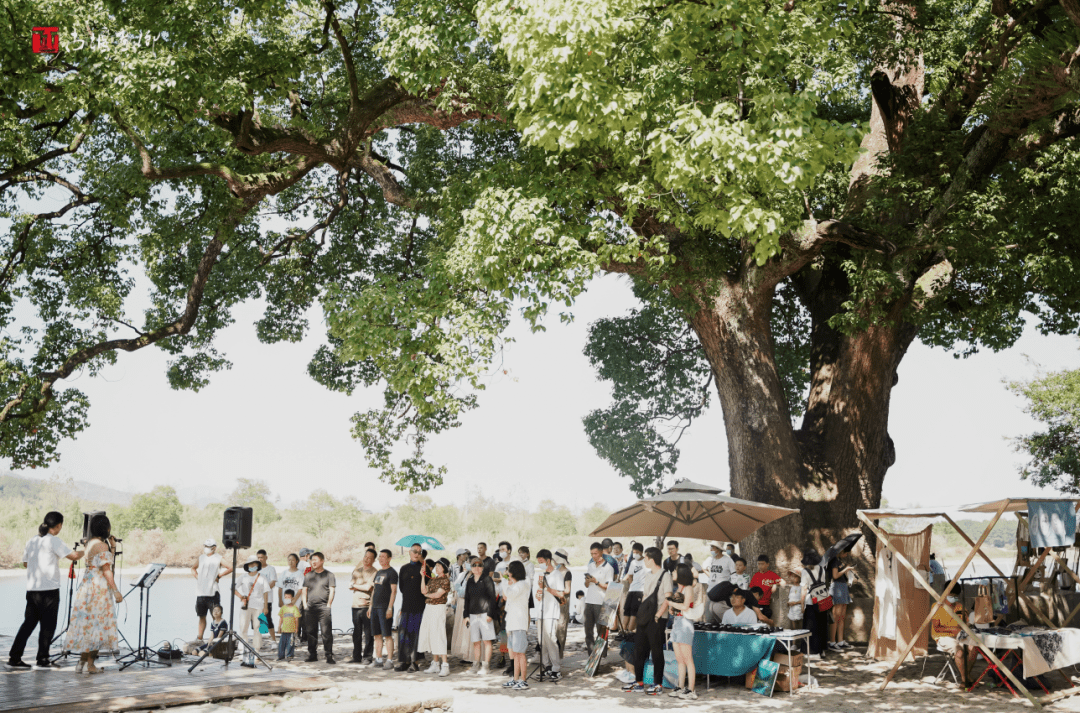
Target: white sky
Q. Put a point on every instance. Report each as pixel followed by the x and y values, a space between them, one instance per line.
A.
pixel 267 419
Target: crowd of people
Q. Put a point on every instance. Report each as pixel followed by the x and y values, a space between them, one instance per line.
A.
pixel 459 609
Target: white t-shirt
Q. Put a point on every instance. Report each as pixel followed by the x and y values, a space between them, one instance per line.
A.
pixel 555 580
pixel 602 573
pixel 269 573
pixel 720 569
pixel 747 618
pixel 636 570
pixel 246 583
pixel 517 606
pixel 207 573
pixel 42 556
pixel 742 581
pixel 292 580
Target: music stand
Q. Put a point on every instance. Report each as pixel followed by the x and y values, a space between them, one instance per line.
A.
pixel 144 653
pixel 231 635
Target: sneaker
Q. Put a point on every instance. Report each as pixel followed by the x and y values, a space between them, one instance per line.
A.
pixel 311 659
pixel 677 693
pixel 844 645
pixel 554 676
pixel 475 668
pixel 388 665
pixel 689 696
pixel 445 670
pixel 18 664
pixel 521 686
pixel 367 661
pixel 46 666
pixel 654 690
pixel 379 661
pixel 510 684
pixel 629 688
pixel 433 668
pixel 245 664
pixel 483 670
pixel 401 667
pixel 625 676
pixel 330 659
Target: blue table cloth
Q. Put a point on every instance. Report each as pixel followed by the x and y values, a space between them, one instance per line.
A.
pixel 721 653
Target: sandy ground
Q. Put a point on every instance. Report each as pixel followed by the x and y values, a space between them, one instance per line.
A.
pixel 848 683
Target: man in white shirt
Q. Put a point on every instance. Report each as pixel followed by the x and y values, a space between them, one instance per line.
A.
pixel 634 581
pixel 41 557
pixel 720 567
pixel 269 573
pixel 552 590
pixel 598 576
pixel 207 571
pixel 739 614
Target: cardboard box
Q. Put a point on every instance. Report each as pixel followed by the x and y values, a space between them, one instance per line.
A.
pixel 788 680
pixel 796 659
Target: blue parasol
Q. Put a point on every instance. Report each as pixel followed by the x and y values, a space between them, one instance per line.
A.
pixel 428 543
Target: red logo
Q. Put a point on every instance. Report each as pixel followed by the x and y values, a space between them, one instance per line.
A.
pixel 46 39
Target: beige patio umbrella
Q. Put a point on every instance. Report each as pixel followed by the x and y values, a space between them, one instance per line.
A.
pixel 694 511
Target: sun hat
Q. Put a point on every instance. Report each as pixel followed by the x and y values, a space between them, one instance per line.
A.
pixel 209 542
pixel 444 562
pixel 253 559
pixel 560 554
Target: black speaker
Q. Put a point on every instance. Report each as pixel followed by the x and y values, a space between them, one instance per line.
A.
pixel 86 518
pixel 236 530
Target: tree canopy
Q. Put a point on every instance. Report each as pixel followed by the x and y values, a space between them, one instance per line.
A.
pixel 1054 400
pixel 796 191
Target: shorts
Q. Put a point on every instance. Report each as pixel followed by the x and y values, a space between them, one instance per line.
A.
pixel 517 641
pixel 795 612
pixel 203 605
pixel 840 593
pixel 380 625
pixel 633 602
pixel 682 630
pixel 480 629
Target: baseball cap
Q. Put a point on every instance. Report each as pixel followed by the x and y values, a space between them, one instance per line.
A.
pixel 209 543
pixel 306 551
pixel 462 551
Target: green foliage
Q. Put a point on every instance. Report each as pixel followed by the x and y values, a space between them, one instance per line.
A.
pixel 557 520
pixel 255 494
pixel 160 509
pixel 1053 400
pixel 1002 536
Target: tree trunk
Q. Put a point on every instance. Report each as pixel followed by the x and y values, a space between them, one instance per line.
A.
pixel 836 463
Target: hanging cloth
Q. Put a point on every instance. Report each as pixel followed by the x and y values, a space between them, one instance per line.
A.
pixel 900 605
pixel 1052 523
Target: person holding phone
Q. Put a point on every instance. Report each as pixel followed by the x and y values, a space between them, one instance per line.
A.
pixel 480 607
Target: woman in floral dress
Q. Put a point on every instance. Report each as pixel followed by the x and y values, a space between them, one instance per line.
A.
pixel 93 619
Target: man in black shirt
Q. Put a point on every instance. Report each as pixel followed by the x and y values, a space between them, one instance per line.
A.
pixel 489 564
pixel 382 609
pixel 674 558
pixel 319 586
pixel 412 610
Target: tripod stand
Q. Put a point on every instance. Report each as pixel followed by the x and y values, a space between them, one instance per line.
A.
pixel 144 653
pixel 231 635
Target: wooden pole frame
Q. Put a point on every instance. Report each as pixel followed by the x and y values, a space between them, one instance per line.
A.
pixel 940 599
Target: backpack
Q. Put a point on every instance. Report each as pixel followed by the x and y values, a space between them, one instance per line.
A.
pixel 819 592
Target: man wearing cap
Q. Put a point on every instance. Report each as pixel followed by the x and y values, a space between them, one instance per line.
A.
pixel 460 566
pixel 251 591
pixel 720 567
pixel 207 571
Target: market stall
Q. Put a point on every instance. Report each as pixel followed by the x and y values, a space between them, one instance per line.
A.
pixel 1057 517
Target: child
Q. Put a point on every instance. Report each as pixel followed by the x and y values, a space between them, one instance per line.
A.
pixel 288 616
pixel 741 578
pixel 794 599
pixel 578 617
pixel 764 617
pixel 218 627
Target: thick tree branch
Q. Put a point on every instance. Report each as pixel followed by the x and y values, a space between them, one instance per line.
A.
pixel 50 155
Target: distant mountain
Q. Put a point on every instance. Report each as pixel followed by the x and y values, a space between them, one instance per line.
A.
pixel 20 486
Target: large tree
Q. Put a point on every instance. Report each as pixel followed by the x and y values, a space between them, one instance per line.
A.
pixel 797 193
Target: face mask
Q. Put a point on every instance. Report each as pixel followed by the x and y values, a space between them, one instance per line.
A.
pixel 952 599
pixel 637 556
pixel 288 600
pixel 207 550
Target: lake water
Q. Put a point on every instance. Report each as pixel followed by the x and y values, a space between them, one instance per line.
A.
pixel 171 605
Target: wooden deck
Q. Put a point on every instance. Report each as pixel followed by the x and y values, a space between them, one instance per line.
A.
pixel 64 691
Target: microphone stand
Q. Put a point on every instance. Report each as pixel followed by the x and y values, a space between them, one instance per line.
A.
pixel 539 673
pixel 64 652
